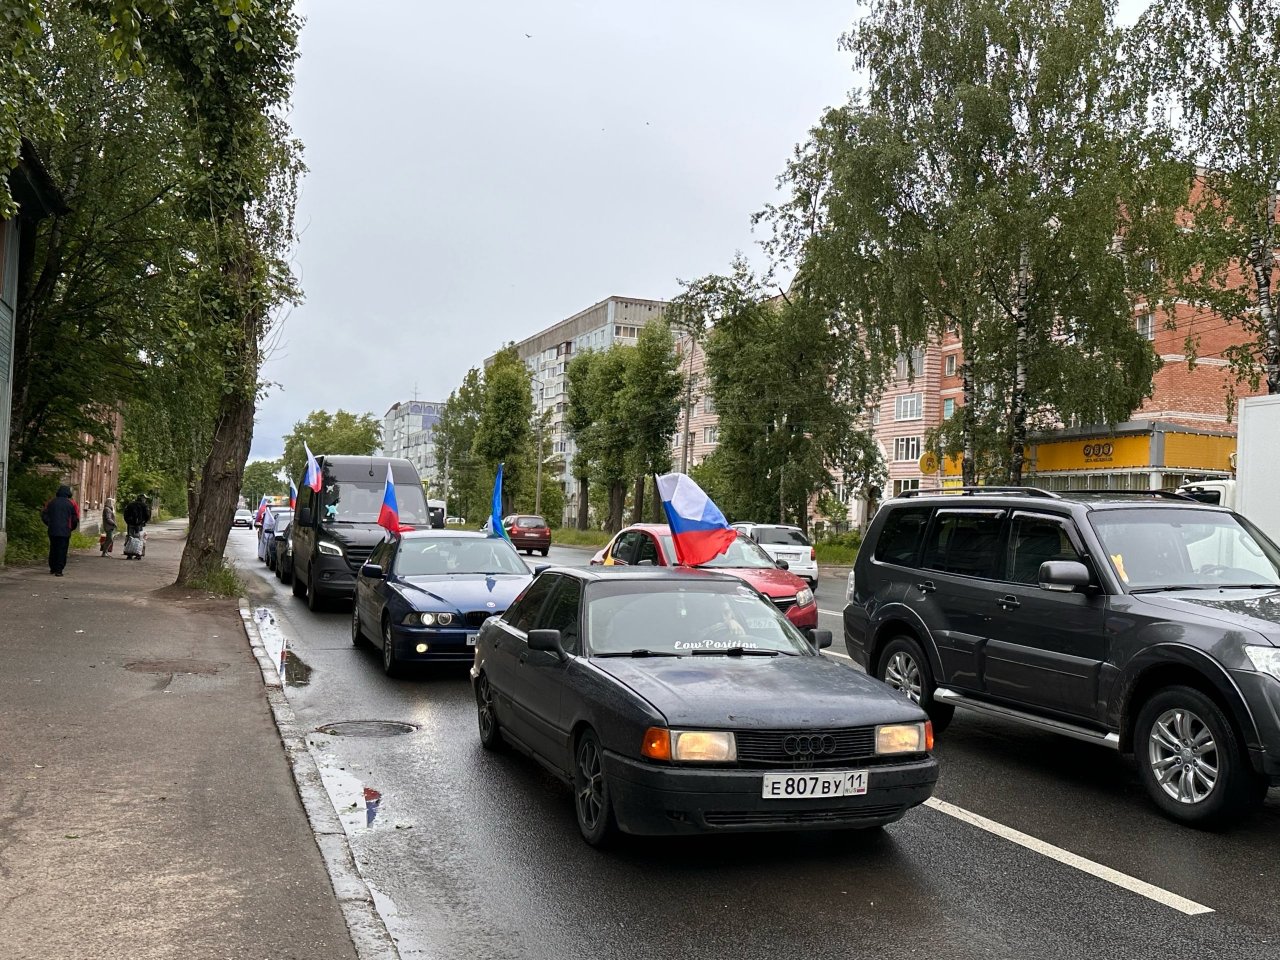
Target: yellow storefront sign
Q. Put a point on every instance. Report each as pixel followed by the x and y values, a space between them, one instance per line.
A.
pixel 1093 453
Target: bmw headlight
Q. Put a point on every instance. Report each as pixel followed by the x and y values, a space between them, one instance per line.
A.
pixel 329 548
pixel 902 738
pixel 1264 659
pixel 428 619
pixel 804 597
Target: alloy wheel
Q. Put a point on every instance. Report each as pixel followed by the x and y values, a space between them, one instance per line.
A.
pixel 590 795
pixel 903 673
pixel 484 708
pixel 1183 756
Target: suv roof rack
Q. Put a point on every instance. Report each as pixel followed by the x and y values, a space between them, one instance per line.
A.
pixel 1160 494
pixel 981 491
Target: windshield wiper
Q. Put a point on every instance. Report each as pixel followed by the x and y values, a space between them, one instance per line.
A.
pixel 737 652
pixel 1178 586
pixel 638 653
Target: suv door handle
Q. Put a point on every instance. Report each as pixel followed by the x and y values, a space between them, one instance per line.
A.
pixel 926 587
pixel 1009 602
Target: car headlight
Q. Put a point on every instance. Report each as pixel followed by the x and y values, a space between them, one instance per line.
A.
pixel 804 597
pixel 1264 659
pixel 329 548
pixel 428 619
pixel 689 746
pixel 902 738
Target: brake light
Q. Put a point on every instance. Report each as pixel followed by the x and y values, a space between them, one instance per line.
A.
pixel 813 553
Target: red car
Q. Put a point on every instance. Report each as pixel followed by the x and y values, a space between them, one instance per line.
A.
pixel 650 544
pixel 528 532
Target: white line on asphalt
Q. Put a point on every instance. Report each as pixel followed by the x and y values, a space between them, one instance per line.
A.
pixel 832 653
pixel 831 613
pixel 1140 887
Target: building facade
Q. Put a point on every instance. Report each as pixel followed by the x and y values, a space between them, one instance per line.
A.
pixel 547 355
pixel 408 431
pixel 698 425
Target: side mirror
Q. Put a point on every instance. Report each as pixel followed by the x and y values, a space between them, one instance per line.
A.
pixel 546 640
pixel 304 516
pixel 1063 576
pixel 539 567
pixel 371 570
pixel 783 565
pixel 645 563
pixel 821 639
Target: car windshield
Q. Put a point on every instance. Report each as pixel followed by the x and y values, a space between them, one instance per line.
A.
pixel 685 618
pixel 1171 548
pixel 444 556
pixel 359 501
pixel 781 536
pixel 741 553
pixel 244 513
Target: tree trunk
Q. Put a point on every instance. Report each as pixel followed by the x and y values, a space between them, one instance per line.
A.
pixel 1018 401
pixel 583 514
pixel 656 513
pixel 637 508
pixel 220 487
pixel 1262 260
pixel 193 494
pixel 617 505
pixel 968 468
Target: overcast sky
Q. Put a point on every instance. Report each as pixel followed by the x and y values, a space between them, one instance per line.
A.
pixel 479 171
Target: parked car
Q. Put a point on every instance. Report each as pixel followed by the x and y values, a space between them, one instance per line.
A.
pixel 242 518
pixel 1142 622
pixel 681 701
pixel 787 545
pixel 423 596
pixel 528 532
pixel 452 521
pixel 284 554
pixel 284 517
pixel 335 530
pixel 650 544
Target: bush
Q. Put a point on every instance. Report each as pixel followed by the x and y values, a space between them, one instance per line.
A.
pixel 28 536
pixel 841 549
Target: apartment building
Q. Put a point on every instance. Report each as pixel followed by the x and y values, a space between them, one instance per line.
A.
pixel 547 355
pixel 698 426
pixel 408 431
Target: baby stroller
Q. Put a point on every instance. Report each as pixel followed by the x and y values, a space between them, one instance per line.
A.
pixel 135 547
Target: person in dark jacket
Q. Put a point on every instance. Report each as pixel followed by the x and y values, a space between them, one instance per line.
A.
pixel 61 515
pixel 136 515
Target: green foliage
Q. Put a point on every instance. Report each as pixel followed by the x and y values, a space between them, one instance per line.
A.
pixel 221 580
pixel 28 536
pixel 336 434
pixel 503 431
pixel 832 509
pixel 1213 66
pixel 569 537
pixel 262 477
pixel 455 436
pixel 841 549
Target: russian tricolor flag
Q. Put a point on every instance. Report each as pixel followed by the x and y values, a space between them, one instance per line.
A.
pixel 698 528
pixel 262 509
pixel 389 514
pixel 293 496
pixel 313 478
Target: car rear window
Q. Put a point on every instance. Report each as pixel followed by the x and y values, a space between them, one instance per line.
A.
pixel 530 523
pixel 781 536
pixel 901 534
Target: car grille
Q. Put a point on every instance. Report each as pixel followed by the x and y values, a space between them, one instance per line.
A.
pixel 769 747
pixel 784 603
pixel 765 818
pixel 476 618
pixel 356 556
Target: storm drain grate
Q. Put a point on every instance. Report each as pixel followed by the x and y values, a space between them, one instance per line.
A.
pixel 366 728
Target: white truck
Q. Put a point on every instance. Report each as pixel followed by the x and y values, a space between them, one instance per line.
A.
pixel 1255 489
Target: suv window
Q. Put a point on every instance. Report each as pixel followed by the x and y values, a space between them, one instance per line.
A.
pixel 1034 540
pixel 964 542
pixel 901 534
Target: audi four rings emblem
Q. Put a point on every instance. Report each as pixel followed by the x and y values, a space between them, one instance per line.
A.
pixel 813 746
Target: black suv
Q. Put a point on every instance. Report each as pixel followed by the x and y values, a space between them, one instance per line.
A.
pixel 1145 622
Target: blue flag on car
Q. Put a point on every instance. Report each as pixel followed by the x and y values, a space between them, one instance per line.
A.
pixel 495 511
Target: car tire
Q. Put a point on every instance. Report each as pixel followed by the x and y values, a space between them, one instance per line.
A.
pixel 592 803
pixel 545 552
pixel 391 665
pixel 486 715
pixel 299 587
pixel 286 575
pixel 904 667
pixel 315 603
pixel 357 632
pixel 1176 733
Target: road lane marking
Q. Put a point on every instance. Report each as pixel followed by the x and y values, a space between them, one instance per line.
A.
pixel 1140 887
pixel 832 613
pixel 833 653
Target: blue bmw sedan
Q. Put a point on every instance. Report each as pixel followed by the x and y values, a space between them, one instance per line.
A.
pixel 424 596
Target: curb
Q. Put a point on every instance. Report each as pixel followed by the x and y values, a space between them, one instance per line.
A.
pixel 368 931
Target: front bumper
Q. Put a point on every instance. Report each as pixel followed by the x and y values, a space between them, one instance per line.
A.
pixel 1262 694
pixel 804 617
pixel 444 644
pixel 331 577
pixel 652 799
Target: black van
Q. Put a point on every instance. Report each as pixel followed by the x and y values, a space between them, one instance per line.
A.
pixel 335 530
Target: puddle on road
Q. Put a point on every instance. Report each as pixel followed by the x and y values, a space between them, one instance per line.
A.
pixel 292 669
pixel 357 803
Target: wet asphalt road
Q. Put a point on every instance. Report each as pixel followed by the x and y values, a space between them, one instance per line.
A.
pixel 473 855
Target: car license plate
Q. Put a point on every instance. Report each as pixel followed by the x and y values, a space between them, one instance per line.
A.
pixel 814 786
pixel 471 639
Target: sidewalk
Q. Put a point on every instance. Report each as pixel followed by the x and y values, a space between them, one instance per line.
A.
pixel 147 809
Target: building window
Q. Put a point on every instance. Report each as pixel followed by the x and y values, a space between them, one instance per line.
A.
pixel 948 408
pixel 1147 326
pixel 950 365
pixel 626 330
pixel 909 406
pixel 900 485
pixel 708 405
pixel 875 416
pixel 910 365
pixel 906 449
pixel 710 434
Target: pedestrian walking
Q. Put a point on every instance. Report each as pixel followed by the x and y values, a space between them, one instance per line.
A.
pixel 108 526
pixel 136 515
pixel 61 515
